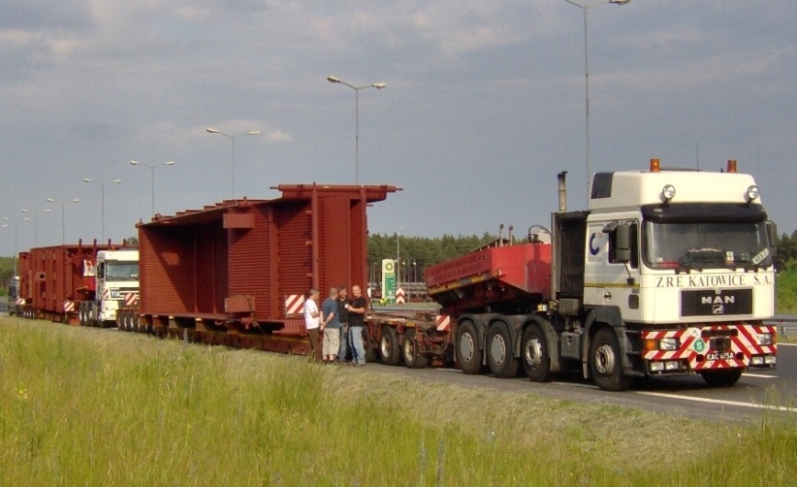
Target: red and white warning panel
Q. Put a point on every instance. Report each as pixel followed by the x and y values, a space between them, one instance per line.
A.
pixel 293 305
pixel 69 306
pixel 400 296
pixel 443 322
pixel 131 299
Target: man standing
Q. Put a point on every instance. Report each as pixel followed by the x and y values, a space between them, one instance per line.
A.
pixel 312 322
pixel 343 316
pixel 331 326
pixel 356 322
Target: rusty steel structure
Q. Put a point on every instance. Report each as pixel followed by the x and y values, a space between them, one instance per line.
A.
pixel 236 273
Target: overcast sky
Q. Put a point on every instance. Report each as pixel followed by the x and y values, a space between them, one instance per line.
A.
pixel 484 104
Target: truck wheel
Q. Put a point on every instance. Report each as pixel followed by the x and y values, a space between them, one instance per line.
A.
pixel 534 351
pixel 605 361
pixel 388 346
pixel 500 359
pixel 412 356
pixel 469 356
pixel 722 378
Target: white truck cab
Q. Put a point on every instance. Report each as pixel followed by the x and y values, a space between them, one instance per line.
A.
pixel 117 286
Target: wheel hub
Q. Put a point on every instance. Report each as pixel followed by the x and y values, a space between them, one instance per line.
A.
pixel 498 349
pixel 604 359
pixel 533 352
pixel 466 347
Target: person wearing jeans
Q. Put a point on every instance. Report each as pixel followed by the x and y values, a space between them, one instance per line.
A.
pixel 343 316
pixel 356 322
pixel 312 322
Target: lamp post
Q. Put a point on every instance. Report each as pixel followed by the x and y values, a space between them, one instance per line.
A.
pixel 35 224
pixel 211 130
pixel 378 86
pixel 152 177
pixel 586 7
pixel 102 200
pixel 63 217
pixel 16 233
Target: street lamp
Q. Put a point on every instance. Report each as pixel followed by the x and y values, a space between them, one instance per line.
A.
pixel 152 177
pixel 63 218
pixel 5 225
pixel 586 7
pixel 102 201
pixel 35 224
pixel 211 130
pixel 378 86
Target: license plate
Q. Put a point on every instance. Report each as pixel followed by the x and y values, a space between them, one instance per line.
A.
pixel 720 356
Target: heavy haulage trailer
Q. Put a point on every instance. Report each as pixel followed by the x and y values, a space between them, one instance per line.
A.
pixel 667 272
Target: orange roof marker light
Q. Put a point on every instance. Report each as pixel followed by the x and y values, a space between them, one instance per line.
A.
pixel 731 166
pixel 655 165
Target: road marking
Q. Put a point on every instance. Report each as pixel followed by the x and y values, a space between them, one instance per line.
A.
pixel 787 344
pixel 760 376
pixel 719 401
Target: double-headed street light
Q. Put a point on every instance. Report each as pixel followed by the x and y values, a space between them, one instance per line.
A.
pixel 586 7
pixel 63 218
pixel 211 130
pixel 378 86
pixel 102 202
pixel 152 177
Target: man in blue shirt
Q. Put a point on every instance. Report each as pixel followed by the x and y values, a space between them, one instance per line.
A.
pixel 330 324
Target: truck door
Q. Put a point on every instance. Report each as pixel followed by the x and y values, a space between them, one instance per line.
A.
pixel 620 273
pixel 594 267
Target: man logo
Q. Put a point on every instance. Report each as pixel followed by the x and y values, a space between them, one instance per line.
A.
pixel 718 309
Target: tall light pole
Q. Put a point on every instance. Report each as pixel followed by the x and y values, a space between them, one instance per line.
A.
pixel 586 7
pixel 378 86
pixel 63 217
pixel 102 201
pixel 35 224
pixel 5 225
pixel 211 130
pixel 152 177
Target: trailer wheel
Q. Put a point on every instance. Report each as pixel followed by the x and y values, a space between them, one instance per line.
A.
pixel 722 378
pixel 469 356
pixel 412 355
pixel 500 358
pixel 536 358
pixel 605 361
pixel 389 347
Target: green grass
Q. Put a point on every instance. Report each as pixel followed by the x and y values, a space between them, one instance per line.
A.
pixel 97 407
pixel 786 295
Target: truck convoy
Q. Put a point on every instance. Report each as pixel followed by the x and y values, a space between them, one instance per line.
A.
pixel 667 272
pixel 61 282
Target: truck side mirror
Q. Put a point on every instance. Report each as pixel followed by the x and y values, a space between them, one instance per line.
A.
pixel 772 234
pixel 623 243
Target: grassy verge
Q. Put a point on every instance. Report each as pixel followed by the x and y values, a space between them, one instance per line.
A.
pixel 97 407
pixel 786 295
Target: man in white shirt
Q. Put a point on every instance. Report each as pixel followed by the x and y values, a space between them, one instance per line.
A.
pixel 312 320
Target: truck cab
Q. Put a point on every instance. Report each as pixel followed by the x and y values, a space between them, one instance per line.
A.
pixel 678 271
pixel 115 275
pixel 13 296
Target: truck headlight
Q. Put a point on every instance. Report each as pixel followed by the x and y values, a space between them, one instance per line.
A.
pixel 765 339
pixel 669 344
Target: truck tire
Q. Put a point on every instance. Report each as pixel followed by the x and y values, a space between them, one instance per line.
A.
pixel 469 356
pixel 412 357
pixel 722 378
pixel 606 362
pixel 500 359
pixel 388 346
pixel 534 354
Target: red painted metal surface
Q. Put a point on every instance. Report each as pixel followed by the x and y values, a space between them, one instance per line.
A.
pixel 512 276
pixel 53 280
pixel 233 265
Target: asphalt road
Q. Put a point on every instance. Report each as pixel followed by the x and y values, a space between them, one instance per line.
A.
pixel 687 396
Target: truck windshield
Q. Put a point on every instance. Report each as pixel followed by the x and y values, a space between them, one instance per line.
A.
pixel 121 271
pixel 685 246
